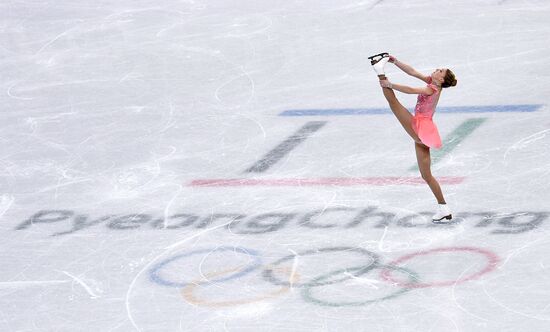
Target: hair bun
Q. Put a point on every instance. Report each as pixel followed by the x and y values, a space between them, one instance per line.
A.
pixel 449 79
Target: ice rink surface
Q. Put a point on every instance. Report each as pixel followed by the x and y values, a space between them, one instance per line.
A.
pixel 232 166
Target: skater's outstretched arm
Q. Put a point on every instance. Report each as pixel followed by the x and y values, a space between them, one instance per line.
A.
pixel 407 89
pixel 408 69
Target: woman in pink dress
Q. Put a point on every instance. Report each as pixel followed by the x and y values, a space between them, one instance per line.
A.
pixel 420 125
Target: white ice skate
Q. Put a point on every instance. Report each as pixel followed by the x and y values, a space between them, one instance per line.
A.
pixel 378 62
pixel 443 214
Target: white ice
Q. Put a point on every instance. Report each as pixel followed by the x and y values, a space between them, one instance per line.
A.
pixel 111 109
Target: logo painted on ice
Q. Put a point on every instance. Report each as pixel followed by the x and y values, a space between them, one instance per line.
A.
pixel 64 222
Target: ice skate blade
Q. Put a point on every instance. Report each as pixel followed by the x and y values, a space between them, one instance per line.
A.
pixel 376 58
pixel 443 220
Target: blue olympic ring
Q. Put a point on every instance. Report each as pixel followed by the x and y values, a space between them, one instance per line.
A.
pixel 155 277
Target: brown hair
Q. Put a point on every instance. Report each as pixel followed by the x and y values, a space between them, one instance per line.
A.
pixel 449 80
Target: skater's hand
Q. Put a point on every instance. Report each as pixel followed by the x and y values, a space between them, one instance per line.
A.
pixel 392 59
pixel 385 84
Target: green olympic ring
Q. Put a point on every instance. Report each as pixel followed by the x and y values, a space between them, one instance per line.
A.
pixel 307 292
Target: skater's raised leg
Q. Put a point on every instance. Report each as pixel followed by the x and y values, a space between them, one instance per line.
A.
pixel 401 113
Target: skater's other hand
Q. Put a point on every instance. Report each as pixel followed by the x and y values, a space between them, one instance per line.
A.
pixel 392 59
pixel 385 84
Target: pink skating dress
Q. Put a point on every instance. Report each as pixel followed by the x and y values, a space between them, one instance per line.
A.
pixel 422 122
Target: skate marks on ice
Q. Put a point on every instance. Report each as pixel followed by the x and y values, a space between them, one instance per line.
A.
pixel 530 257
pixel 526 142
pixel 6 202
pixel 94 291
pixel 31 283
pixel 108 43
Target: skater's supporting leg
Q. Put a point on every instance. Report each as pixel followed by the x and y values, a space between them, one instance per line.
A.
pixel 424 160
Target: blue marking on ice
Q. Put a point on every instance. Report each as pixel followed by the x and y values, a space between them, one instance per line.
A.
pixel 443 109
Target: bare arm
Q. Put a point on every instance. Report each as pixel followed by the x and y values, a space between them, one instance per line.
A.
pixel 410 90
pixel 409 70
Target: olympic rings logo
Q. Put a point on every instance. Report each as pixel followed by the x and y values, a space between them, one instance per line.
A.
pixel 277 273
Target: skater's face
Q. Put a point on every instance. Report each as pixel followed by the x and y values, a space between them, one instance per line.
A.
pixel 439 75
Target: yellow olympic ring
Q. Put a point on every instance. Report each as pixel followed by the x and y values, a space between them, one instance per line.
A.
pixel 189 289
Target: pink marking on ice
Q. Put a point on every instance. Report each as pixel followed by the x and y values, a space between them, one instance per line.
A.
pixel 372 181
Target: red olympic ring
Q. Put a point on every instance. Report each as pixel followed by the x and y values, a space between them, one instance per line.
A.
pixel 492 262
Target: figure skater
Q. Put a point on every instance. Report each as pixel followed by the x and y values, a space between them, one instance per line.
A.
pixel 420 126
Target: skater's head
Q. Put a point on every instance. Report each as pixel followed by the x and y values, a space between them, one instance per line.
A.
pixel 444 77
